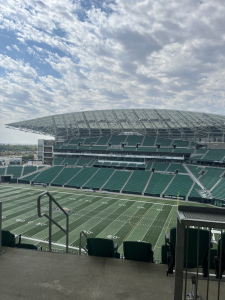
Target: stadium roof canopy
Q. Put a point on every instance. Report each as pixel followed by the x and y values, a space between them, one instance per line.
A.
pixel 164 123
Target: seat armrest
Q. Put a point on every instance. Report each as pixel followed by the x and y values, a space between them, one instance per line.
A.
pixel 167 238
pixel 116 247
pixel 16 237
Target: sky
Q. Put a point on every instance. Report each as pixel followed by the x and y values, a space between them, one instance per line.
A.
pixel 59 56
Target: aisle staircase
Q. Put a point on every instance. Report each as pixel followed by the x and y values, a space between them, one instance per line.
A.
pixel 56 176
pixel 127 181
pixel 193 177
pixel 107 181
pixel 147 183
pixel 167 186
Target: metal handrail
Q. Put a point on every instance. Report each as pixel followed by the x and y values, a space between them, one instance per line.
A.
pixel 49 217
pixel 82 232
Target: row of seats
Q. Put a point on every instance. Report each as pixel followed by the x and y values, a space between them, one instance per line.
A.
pixel 210 177
pixel 100 177
pixel 48 175
pixel 138 251
pixel 119 164
pixel 78 162
pixel 18 171
pixel 117 181
pixel 157 184
pixel 137 182
pixel 180 185
pixel 168 251
pixel 215 155
pixel 130 140
pixel 127 148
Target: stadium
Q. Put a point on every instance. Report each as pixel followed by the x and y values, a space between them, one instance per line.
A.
pixel 119 174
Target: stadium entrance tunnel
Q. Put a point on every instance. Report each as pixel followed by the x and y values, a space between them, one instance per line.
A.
pixel 5 178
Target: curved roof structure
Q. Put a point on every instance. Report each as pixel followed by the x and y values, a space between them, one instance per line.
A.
pixel 164 123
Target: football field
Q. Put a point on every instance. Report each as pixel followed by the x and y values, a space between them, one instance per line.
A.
pixel 114 216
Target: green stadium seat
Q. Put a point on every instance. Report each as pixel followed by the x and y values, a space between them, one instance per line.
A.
pixel 99 148
pixel 149 141
pixel 29 169
pixel 117 181
pixel 213 254
pixel 15 171
pixel 90 141
pixel 97 181
pixel 211 176
pixel 117 139
pixel 164 255
pixel 103 140
pixel 192 249
pixel 163 142
pixel 2 171
pixel 180 186
pixel 219 260
pixel 180 143
pixel 138 251
pixel 157 184
pixel 137 182
pixel 214 155
pixel 146 149
pixel 9 239
pixel 102 247
pixel 132 140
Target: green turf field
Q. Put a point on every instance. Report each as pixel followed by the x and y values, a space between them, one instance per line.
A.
pixel 118 217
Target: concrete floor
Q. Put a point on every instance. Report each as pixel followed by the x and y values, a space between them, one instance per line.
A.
pixel 36 275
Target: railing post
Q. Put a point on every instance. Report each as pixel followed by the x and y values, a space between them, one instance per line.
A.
pixel 49 217
pixel 80 244
pixel 67 236
pixel 179 261
pixel 0 228
pixel 50 223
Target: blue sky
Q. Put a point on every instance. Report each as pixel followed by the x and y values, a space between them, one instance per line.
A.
pixel 60 56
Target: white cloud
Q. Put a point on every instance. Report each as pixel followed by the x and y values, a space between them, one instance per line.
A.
pixel 16 47
pixel 140 54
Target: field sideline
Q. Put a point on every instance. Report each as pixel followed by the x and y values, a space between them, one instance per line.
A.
pixel 115 216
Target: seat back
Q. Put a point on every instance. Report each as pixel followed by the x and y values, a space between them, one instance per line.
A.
pixel 8 239
pixel 137 251
pixel 204 236
pixel 213 254
pixel 164 255
pixel 100 247
pixel 223 245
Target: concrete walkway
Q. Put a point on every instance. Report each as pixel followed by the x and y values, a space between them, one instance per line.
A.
pixel 36 275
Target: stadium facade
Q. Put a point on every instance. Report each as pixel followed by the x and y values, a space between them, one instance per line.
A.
pixel 185 125
pixel 160 153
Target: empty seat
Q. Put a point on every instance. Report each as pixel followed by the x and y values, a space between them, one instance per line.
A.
pixel 217 258
pixel 139 251
pixel 102 247
pixel 163 255
pixel 204 237
pixel 9 240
